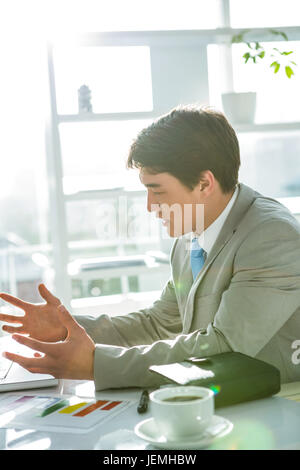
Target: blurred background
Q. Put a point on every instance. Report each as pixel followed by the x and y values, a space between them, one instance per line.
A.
pixel 78 80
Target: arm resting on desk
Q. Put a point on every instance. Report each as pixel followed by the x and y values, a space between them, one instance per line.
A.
pixel 117 367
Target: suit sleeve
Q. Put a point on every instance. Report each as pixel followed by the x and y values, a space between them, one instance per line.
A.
pixel 160 321
pixel 264 292
pixel 265 288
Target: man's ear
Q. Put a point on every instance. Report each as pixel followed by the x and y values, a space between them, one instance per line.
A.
pixel 207 178
pixel 203 185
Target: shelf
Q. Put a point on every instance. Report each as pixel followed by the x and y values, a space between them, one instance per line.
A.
pixel 94 117
pixel 98 117
pixel 104 194
pixel 218 35
pixel 90 244
pixel 108 273
pixel 268 127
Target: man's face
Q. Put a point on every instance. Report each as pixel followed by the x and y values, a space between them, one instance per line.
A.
pixel 180 208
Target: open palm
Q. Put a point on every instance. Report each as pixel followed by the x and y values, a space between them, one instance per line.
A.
pixel 40 321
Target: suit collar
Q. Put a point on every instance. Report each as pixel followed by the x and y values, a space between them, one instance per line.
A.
pixel 243 202
pixel 208 237
pixel 241 206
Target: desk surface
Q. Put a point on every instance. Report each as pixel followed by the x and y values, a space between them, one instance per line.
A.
pixel 271 423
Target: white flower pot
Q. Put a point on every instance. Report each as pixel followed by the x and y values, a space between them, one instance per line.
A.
pixel 239 108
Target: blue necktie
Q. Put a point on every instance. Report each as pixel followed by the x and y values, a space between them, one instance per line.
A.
pixel 197 257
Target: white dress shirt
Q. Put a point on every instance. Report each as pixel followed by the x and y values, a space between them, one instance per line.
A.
pixel 208 237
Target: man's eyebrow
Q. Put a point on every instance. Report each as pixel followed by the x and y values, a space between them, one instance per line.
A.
pixel 152 185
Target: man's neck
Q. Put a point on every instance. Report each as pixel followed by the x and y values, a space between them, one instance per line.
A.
pixel 215 207
pixel 209 235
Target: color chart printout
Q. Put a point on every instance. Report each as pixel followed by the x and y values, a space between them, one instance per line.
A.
pixel 71 413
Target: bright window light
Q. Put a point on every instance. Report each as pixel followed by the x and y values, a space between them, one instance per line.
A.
pixel 263 13
pixel 119 78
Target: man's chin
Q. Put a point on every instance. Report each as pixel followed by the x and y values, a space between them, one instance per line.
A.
pixel 173 232
pixel 169 230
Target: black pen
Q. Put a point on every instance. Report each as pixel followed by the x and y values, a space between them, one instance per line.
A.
pixel 143 403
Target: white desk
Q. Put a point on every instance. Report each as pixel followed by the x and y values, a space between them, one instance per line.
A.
pixel 271 423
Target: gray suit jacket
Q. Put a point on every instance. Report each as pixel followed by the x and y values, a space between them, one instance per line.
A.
pixel 246 299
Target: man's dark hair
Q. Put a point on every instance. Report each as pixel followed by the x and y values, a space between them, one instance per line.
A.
pixel 187 141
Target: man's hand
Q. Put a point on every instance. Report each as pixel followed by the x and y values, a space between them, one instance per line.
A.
pixel 41 321
pixel 72 358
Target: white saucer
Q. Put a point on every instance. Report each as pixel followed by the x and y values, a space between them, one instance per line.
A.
pixel 218 427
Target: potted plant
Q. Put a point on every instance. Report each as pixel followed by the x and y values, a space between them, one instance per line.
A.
pixel 240 107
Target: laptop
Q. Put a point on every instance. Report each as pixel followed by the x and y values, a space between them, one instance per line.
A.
pixel 15 377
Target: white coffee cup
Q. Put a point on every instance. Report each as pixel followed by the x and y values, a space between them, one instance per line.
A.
pixel 185 418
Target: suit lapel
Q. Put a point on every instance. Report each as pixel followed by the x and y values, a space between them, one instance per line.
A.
pixel 243 202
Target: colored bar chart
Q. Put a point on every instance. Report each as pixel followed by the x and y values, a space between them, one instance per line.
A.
pixel 72 408
pixel 53 408
pixel 91 408
pixel 111 405
pixel 17 403
pixel 58 413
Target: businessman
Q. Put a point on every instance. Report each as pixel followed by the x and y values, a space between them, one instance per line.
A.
pixel 235 273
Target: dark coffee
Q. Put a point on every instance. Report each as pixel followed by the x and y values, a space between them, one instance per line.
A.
pixel 182 398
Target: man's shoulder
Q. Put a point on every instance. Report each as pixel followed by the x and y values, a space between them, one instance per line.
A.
pixel 269 227
pixel 266 212
pixel 263 217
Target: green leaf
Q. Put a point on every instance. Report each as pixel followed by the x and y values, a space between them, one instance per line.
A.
pixel 236 38
pixel 279 33
pixel 289 72
pixel 286 53
pixel 246 56
pixel 261 54
pixel 284 36
pixel 292 62
pixel 276 66
pixel 239 37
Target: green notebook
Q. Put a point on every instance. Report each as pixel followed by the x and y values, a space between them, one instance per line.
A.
pixel 233 376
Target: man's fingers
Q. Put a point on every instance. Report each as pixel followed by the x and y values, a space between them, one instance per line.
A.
pixel 14 329
pixel 66 318
pixel 36 354
pixel 14 300
pixel 11 318
pixel 35 365
pixel 34 344
pixel 25 362
pixel 48 296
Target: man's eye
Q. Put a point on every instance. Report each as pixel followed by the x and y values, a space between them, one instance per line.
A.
pixel 156 194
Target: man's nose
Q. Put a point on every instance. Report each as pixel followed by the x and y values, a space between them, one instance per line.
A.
pixel 151 204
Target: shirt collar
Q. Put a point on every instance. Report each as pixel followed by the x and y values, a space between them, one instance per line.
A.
pixel 208 237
